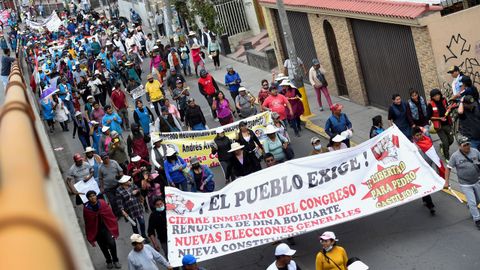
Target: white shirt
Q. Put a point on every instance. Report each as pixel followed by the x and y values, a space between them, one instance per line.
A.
pixel 291 68
pixel 146 259
pixel 291 266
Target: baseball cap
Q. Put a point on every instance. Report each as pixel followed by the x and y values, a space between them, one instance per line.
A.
pixel 462 139
pixel 219 130
pixel 188 260
pixel 314 140
pixel 315 61
pixel 136 238
pixel 284 249
pixel 328 236
pixel 453 69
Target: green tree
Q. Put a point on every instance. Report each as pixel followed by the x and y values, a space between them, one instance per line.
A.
pixel 203 8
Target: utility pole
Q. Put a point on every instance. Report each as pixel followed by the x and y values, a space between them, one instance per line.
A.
pixel 292 55
pixel 168 19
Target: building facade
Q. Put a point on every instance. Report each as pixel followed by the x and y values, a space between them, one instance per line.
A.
pixel 373 49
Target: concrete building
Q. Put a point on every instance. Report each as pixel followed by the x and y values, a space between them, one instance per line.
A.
pixel 372 49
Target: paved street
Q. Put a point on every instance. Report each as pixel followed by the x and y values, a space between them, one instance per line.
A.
pixel 406 237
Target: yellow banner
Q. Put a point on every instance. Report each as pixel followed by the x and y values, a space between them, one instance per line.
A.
pixel 199 143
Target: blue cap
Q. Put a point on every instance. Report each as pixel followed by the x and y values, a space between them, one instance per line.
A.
pixel 188 260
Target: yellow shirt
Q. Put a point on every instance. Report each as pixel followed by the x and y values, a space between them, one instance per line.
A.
pixel 337 254
pixel 73 53
pixel 154 90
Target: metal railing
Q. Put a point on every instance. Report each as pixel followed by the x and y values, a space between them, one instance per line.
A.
pixel 231 16
pixel 31 236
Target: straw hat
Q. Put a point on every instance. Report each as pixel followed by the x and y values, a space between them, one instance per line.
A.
pixel 136 158
pixel 235 146
pixel 270 129
pixel 195 46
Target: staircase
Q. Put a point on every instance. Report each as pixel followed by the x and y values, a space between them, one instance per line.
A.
pixel 259 43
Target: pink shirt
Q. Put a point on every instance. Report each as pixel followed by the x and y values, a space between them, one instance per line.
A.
pixel 223 109
pixel 277 104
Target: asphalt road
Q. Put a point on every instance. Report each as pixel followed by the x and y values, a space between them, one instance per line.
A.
pixel 406 237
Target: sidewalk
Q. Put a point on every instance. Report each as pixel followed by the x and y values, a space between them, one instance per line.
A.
pixel 360 116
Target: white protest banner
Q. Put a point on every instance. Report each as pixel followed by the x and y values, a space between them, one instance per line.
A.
pixel 84 187
pixel 298 196
pixel 138 92
pixel 199 143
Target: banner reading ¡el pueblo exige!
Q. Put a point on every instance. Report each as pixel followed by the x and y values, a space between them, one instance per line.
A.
pixel 297 197
pixel 199 143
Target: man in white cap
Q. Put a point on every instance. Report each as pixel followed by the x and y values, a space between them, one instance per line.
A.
pixel 144 256
pixel 128 202
pixel 149 43
pixel 93 160
pixel 283 258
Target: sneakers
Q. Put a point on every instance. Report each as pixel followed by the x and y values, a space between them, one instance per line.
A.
pixel 477 223
pixel 321 109
pixel 109 265
pixel 117 265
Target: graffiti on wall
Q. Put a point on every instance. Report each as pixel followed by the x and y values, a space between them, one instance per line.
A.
pixel 461 53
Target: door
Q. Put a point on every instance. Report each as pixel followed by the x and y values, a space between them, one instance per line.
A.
pixel 302 37
pixel 335 59
pixel 388 60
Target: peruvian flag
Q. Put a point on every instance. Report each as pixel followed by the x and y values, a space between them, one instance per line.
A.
pixel 426 145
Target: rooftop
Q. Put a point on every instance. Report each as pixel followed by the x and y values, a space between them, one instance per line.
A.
pixel 383 8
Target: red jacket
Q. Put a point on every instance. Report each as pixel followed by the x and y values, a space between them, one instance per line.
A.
pixel 92 217
pixel 207 85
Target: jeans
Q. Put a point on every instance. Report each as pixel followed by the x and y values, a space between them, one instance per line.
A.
pixel 228 176
pixel 199 126
pixel 186 66
pixel 182 185
pixel 157 105
pixel 2 92
pixel 85 141
pixel 140 222
pixel 472 193
pixel 210 102
pixel 324 90
pixel 447 139
pixel 123 112
pixel 295 123
pixel 107 244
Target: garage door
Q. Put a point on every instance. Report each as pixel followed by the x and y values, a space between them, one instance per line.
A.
pixel 302 36
pixel 388 60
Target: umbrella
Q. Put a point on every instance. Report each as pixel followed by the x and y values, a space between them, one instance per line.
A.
pixel 50 90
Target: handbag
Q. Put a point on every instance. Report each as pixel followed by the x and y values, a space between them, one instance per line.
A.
pixel 289 154
pixel 321 78
pixel 477 166
pixel 214 53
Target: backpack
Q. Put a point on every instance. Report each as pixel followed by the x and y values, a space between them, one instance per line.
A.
pixel 175 59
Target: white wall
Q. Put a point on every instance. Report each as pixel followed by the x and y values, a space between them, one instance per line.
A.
pixel 251 15
pixel 139 7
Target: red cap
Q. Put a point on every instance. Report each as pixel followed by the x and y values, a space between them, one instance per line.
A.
pixel 336 107
pixel 77 157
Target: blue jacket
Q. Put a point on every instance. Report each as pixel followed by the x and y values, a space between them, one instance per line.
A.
pixel 172 172
pixel 207 176
pixel 336 125
pixel 233 78
pixel 115 124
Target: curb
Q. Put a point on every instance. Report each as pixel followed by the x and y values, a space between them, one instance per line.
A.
pixel 320 131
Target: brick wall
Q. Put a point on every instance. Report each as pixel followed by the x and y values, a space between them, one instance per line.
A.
pixel 426 60
pixel 347 51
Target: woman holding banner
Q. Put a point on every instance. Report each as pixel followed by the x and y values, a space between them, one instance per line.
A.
pixel 174 166
pixel 241 163
pixel 253 147
pixel 221 147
